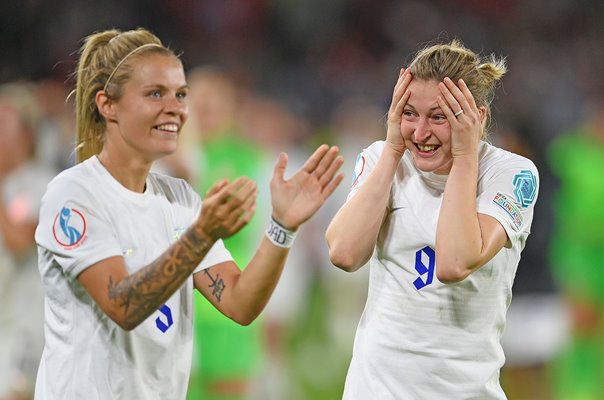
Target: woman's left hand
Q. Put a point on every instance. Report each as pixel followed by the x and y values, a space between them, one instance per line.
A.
pixel 296 200
pixel 465 118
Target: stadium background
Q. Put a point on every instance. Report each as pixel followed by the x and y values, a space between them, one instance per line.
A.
pixel 325 71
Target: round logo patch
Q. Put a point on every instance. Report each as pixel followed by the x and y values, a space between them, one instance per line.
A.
pixel 69 227
pixel 359 167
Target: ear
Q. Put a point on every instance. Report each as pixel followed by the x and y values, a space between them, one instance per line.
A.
pixel 104 105
pixel 483 115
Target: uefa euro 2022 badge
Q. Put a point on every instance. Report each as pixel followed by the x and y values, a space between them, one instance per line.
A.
pixel 69 228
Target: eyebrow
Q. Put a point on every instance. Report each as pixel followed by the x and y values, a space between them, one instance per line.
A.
pixel 437 107
pixel 158 85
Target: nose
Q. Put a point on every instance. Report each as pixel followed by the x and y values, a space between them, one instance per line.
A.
pixel 176 105
pixel 422 130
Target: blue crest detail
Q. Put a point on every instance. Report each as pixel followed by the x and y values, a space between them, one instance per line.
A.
pixel 161 325
pixel 423 269
pixel 525 188
pixel 72 233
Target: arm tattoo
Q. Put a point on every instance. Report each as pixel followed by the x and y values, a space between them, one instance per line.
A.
pixel 143 292
pixel 217 285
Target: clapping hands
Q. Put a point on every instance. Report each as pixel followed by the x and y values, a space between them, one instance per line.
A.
pixel 296 200
pixel 228 207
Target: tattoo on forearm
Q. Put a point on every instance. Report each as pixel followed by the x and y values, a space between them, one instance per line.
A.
pixel 144 291
pixel 217 285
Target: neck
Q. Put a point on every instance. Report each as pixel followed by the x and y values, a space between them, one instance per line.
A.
pixel 131 173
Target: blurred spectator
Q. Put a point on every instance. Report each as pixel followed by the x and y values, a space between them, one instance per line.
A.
pixel 56 132
pixel 537 324
pixel 22 183
pixel 229 355
pixel 320 330
pixel 270 124
pixel 577 254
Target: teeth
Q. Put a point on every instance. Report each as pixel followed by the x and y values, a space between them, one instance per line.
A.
pixel 426 148
pixel 168 127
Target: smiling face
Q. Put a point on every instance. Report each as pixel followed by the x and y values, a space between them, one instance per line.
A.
pixel 425 128
pixel 146 120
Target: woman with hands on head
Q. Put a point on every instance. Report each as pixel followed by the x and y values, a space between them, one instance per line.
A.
pixel 122 248
pixel 441 217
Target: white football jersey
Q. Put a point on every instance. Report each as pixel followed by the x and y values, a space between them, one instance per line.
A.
pixel 87 216
pixel 419 338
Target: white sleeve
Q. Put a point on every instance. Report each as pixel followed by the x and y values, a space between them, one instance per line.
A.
pixel 217 254
pixel 73 229
pixel 509 195
pixel 364 164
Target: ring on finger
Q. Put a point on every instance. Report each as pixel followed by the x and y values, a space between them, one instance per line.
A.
pixel 458 113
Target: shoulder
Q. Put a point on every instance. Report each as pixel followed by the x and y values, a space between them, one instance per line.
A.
pixel 77 179
pixel 73 189
pixel 174 189
pixel 368 156
pixel 371 153
pixel 375 148
pixel 510 174
pixel 495 159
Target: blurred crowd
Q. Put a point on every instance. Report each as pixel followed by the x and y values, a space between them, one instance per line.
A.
pixel 279 75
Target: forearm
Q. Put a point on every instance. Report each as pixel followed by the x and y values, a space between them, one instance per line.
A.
pixel 140 294
pixel 256 283
pixel 352 234
pixel 458 235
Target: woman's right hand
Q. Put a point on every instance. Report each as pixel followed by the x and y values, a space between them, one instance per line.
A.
pixel 227 208
pixel 400 96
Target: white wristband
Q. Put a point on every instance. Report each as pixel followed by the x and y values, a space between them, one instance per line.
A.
pixel 280 235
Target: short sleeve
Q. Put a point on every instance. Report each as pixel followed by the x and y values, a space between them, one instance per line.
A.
pixel 508 193
pixel 217 254
pixel 364 164
pixel 73 229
